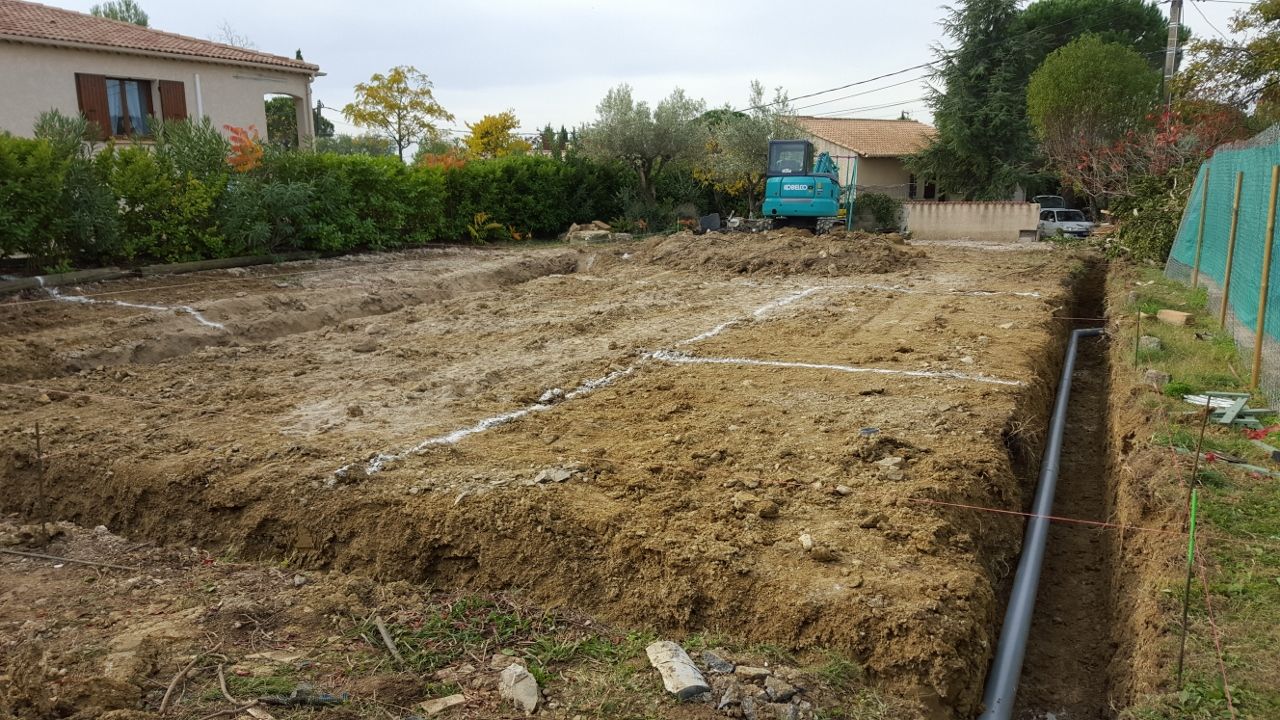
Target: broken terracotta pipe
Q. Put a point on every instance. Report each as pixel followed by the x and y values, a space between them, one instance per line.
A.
pixel 1006 668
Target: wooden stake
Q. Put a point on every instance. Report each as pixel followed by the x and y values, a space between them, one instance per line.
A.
pixel 1231 252
pixel 1260 335
pixel 1186 591
pixel 1137 335
pixel 388 640
pixel 1204 204
pixel 42 500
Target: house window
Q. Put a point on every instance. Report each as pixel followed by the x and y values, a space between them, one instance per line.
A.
pixel 121 107
pixel 129 106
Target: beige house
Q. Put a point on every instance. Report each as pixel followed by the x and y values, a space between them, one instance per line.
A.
pixel 119 74
pixel 870 152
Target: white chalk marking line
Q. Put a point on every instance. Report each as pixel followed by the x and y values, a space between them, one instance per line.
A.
pixel 683 359
pixel 554 396
pixel 53 293
pixel 915 291
pixel 756 314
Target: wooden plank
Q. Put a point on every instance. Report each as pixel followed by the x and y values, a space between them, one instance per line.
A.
pixel 223 263
pixel 1173 317
pixel 1271 451
pixel 71 278
pixel 1229 416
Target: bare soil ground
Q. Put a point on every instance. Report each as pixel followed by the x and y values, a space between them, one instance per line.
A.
pixel 658 435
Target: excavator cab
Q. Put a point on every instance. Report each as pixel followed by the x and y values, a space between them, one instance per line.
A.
pixel 799 189
pixel 790 157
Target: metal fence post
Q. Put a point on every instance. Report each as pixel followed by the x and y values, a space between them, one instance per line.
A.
pixel 1260 335
pixel 1204 203
pixel 1231 252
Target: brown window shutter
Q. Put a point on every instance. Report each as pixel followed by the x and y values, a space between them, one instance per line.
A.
pixel 91 92
pixel 173 100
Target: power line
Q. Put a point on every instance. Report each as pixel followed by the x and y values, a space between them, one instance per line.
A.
pixel 836 89
pixel 1204 17
pixel 870 107
pixel 864 92
pixel 943 57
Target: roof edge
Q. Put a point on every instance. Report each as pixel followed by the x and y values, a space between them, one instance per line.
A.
pixel 302 68
pixel 837 143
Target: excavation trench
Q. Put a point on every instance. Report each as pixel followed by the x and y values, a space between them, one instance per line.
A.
pixel 1071 643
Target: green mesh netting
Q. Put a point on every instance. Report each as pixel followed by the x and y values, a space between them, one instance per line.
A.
pixel 1254 158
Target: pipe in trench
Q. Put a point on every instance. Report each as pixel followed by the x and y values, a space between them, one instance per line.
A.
pixel 1006 668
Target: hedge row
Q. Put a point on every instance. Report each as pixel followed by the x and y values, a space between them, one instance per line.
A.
pixel 180 200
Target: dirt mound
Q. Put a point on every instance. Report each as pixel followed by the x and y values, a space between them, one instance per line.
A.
pixel 789 251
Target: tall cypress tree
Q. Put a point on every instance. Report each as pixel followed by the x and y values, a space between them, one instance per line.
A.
pixel 984 148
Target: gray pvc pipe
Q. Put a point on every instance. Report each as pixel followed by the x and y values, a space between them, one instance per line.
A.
pixel 1006 668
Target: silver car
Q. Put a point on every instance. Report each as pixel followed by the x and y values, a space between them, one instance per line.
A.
pixel 1064 222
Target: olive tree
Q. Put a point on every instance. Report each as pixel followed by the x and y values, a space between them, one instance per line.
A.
pixel 739 146
pixel 647 140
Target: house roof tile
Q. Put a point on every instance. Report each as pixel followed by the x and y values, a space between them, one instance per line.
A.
pixel 32 22
pixel 869 138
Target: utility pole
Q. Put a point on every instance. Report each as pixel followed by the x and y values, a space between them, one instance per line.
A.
pixel 1171 54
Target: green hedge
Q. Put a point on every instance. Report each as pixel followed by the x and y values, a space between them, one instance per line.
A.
pixel 172 203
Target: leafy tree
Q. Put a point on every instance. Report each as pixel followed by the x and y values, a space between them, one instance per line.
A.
pixel 1050 24
pixel 374 145
pixel 983 149
pixel 551 143
pixel 648 141
pixel 739 145
pixel 1086 97
pixel 123 10
pixel 435 147
pixel 1246 75
pixel 398 105
pixel 494 136
pixel 282 122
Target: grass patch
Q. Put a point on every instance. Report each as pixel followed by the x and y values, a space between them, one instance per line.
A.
pixel 442 634
pixel 255 687
pixel 1240 517
pixel 840 672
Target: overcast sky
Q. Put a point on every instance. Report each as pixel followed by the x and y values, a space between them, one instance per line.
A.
pixel 552 60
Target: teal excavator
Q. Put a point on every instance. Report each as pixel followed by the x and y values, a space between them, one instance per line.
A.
pixel 800 190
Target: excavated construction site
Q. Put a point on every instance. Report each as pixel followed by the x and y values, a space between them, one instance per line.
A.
pixel 769 438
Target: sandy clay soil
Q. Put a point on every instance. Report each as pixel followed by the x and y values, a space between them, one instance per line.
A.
pixel 742 436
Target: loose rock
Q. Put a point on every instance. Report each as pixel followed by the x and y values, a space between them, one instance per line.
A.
pixel 520 688
pixel 679 675
pixel 439 705
pixel 751 674
pixel 715 663
pixel 1150 342
pixel 779 690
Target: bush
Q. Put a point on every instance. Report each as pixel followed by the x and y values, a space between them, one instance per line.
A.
pixel 1147 220
pixel 180 199
pixel 884 210
pixel 32 178
pixel 164 215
